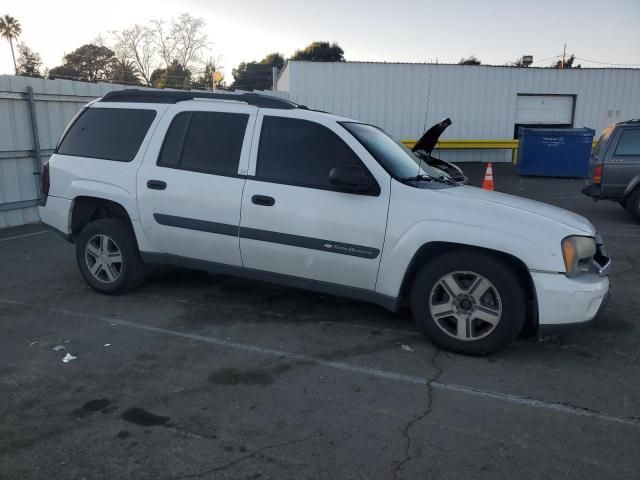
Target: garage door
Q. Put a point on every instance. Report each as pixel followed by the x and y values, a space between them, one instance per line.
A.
pixel 544 109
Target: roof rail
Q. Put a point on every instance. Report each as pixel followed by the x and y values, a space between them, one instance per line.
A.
pixel 135 95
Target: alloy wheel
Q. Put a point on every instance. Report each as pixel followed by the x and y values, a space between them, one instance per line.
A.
pixel 103 258
pixel 465 305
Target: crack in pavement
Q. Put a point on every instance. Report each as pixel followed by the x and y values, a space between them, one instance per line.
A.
pixel 407 453
pixel 520 400
pixel 246 457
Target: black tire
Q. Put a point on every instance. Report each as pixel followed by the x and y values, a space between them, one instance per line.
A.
pixel 509 288
pixel 132 269
pixel 632 204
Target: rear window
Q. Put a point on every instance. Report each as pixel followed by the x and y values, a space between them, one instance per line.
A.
pixel 107 133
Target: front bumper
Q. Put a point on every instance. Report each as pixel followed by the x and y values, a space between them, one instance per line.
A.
pixel 565 303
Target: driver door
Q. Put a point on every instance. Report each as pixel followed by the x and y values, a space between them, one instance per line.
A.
pixel 294 221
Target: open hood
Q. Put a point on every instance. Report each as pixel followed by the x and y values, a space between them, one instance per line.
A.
pixel 428 141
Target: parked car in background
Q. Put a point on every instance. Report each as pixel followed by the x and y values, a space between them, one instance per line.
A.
pixel 259 187
pixel 614 167
pixel 424 147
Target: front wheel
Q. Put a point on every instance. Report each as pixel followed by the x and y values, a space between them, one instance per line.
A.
pixel 469 302
pixel 108 258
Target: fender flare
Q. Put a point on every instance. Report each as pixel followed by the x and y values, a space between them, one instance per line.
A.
pixel 631 186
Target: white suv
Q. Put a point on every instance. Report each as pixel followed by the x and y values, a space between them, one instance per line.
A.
pixel 260 187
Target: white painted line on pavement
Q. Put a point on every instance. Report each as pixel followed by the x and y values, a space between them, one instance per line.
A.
pixel 374 372
pixel 24 235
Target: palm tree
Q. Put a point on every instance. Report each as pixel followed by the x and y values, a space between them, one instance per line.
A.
pixel 10 29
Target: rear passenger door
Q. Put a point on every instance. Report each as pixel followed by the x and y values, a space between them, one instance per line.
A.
pixel 622 163
pixel 190 184
pixel 294 222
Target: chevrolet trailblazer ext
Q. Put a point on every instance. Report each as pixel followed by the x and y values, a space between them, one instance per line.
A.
pixel 260 187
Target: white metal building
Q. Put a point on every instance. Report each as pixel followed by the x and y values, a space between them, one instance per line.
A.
pixel 484 102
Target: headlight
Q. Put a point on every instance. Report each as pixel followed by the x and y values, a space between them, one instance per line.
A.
pixel 578 254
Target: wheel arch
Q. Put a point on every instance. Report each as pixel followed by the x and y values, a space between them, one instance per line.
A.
pixel 86 209
pixel 433 249
pixel 631 186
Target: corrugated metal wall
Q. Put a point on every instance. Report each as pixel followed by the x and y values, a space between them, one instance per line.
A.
pixel 56 102
pixel 480 100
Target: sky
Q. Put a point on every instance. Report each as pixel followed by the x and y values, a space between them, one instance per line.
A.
pixel 393 31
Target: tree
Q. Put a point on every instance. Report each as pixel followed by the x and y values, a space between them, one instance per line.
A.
pixel 174 76
pixel 89 63
pixel 568 63
pixel 124 71
pixel 183 40
pixel 10 29
pixel 257 75
pixel 320 52
pixel 471 60
pixel 205 81
pixel 138 45
pixel 274 59
pixel 29 62
pixel 65 71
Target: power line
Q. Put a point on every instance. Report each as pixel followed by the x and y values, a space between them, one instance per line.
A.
pixel 548 58
pixel 607 63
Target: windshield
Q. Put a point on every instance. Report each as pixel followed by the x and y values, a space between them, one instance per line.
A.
pixel 598 149
pixel 394 157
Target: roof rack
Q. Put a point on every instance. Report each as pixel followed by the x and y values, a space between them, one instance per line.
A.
pixel 135 95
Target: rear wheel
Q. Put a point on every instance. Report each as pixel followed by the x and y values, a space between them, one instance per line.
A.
pixel 469 302
pixel 632 204
pixel 108 257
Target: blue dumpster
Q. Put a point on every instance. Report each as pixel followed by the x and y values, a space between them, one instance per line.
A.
pixel 554 152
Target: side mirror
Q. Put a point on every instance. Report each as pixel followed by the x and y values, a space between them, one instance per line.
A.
pixel 350 178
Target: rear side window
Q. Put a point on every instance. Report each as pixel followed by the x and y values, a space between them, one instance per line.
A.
pixel 602 141
pixel 629 143
pixel 207 142
pixel 107 133
pixel 300 152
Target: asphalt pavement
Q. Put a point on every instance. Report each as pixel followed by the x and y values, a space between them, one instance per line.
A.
pixel 200 376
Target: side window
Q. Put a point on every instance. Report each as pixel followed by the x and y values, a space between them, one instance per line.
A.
pixel 300 152
pixel 172 146
pixel 629 143
pixel 107 133
pixel 208 142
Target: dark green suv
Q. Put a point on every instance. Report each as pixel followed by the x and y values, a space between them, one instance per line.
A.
pixel 614 168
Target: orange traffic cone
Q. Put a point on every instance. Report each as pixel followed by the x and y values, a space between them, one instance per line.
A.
pixel 487 183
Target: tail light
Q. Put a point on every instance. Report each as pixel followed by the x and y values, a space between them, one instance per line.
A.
pixel 597 174
pixel 46 182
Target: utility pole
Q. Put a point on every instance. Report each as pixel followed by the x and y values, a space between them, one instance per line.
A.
pixel 564 52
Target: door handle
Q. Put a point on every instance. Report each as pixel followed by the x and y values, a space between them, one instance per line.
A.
pixel 263 200
pixel 156 184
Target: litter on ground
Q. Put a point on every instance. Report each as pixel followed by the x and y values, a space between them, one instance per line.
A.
pixel 68 358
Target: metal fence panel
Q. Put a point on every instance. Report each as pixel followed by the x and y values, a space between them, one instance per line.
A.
pixel 56 102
